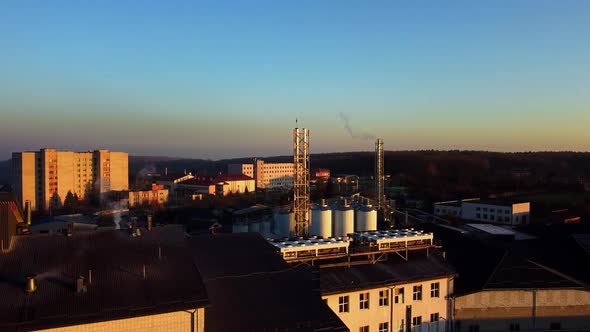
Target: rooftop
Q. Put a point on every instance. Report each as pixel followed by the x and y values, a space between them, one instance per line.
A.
pixel 118 288
pixel 392 272
pixel 245 269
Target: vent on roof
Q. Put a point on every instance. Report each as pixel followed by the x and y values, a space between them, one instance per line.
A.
pixel 80 285
pixel 30 286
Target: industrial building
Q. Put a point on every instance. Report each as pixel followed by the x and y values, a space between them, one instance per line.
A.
pixel 504 212
pixel 127 280
pixel 266 175
pixel 44 177
pixel 252 289
pixel 392 280
pixel 531 283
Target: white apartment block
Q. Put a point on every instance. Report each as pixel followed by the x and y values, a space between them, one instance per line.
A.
pixel 489 211
pixel 266 175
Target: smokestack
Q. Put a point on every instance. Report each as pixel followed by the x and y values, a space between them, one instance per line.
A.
pixel 323 202
pixel 166 171
pixel 28 212
pixel 80 287
pixel 90 277
pixel 143 272
pixel 149 222
pixel 30 286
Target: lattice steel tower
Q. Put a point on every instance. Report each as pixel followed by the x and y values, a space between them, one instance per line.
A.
pixel 301 203
pixel 379 193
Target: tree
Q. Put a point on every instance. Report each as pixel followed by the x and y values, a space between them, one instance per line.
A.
pixel 69 202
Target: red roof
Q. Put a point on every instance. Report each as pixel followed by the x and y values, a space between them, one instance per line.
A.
pixel 233 177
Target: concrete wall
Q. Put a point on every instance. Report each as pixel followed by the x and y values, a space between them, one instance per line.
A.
pixel 531 309
pixel 356 317
pixel 24 177
pixel 246 169
pixel 119 171
pixel 496 213
pixel 181 321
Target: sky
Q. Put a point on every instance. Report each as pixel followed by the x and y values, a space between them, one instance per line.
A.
pixel 221 79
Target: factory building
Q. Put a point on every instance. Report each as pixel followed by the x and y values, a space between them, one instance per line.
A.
pixel 115 281
pixel 392 280
pixel 490 211
pixel 44 177
pixel 534 283
pixel 266 175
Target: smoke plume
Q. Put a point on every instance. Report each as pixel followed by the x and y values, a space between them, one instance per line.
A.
pixel 351 132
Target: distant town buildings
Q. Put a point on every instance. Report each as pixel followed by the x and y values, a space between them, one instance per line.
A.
pixel 156 196
pixel 221 185
pixel 490 211
pixel 45 177
pixel 266 175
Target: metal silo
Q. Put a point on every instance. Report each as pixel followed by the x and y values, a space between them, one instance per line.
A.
pixel 343 221
pixel 284 223
pixel 366 219
pixel 321 221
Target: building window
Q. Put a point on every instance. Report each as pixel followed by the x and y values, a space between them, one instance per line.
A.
pixel 364 301
pixel 384 298
pixel 478 215
pixel 416 320
pixel 474 328
pixel 364 328
pixel 417 296
pixel 343 303
pixel 555 326
pixel 434 317
pixel 514 327
pixel 384 327
pixel 485 216
pixel 435 289
pixel 399 295
pixel 478 209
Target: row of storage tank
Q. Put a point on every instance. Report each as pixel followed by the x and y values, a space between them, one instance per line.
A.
pixel 327 221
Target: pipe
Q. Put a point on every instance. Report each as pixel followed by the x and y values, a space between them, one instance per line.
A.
pixel 28 212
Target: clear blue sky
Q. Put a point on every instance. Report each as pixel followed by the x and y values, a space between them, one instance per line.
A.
pixel 227 79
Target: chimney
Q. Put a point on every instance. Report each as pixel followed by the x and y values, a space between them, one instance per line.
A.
pixel 90 277
pixel 30 286
pixel 80 286
pixel 323 202
pixel 28 212
pixel 149 222
pixel 166 171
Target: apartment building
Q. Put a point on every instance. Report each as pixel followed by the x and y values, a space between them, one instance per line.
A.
pixel 44 177
pixel 384 297
pixel 266 175
pixel 506 212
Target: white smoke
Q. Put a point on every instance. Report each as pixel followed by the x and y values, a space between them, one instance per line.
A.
pixel 351 132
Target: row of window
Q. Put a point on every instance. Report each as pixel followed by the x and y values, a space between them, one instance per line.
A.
pixel 344 301
pixel 492 210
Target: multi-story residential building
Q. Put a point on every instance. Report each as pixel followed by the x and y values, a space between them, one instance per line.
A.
pixel 266 175
pixel 44 177
pixel 490 211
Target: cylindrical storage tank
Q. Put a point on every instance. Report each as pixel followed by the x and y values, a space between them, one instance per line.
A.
pixel 240 227
pixel 366 219
pixel 254 227
pixel 321 221
pixel 284 223
pixel 343 221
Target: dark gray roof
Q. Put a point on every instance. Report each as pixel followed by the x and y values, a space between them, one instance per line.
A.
pixel 118 289
pixel 394 271
pixel 252 289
